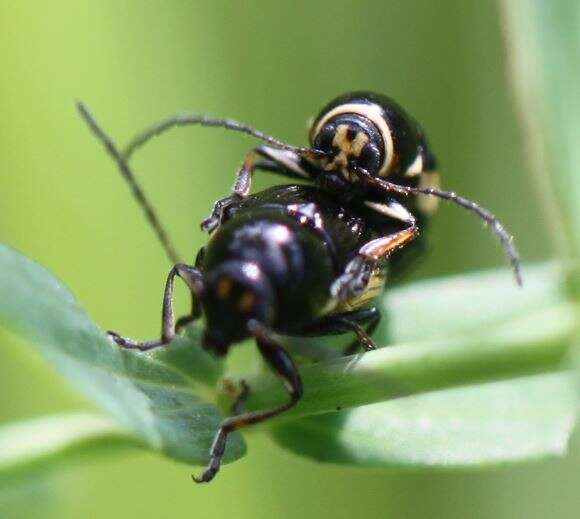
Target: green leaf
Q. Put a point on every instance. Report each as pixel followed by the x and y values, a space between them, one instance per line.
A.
pixel 460 305
pixel 165 397
pixel 543 43
pixel 42 442
pixel 533 336
pixel 453 332
pixel 449 333
pixel 474 426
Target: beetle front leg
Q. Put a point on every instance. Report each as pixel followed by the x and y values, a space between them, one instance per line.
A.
pixel 279 360
pixel 282 162
pixel 241 190
pixel 358 272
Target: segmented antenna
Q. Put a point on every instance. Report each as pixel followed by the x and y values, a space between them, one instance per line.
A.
pixel 489 218
pixel 202 120
pixel 129 176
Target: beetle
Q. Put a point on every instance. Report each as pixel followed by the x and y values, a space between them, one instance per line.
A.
pixel 299 260
pixel 363 146
pixel 268 270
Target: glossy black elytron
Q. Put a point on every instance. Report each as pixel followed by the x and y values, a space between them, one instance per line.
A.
pixel 276 257
pixel 271 269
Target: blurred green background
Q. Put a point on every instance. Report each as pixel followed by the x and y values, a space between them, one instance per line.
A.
pixel 271 64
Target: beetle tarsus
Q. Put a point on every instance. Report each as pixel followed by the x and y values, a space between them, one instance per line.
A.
pixel 217 216
pixel 130 344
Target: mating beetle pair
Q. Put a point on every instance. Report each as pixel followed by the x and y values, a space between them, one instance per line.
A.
pixel 302 260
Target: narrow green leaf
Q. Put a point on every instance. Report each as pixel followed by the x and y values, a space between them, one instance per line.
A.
pixel 474 426
pixel 543 52
pixel 460 331
pixel 42 442
pixel 531 335
pixel 543 43
pixel 165 397
pixel 463 304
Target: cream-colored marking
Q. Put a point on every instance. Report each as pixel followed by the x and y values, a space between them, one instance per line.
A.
pixel 347 149
pixel 416 167
pixel 287 159
pixel 224 288
pixel 428 204
pixel 374 114
pixel 247 302
pixel 393 210
pixel 372 290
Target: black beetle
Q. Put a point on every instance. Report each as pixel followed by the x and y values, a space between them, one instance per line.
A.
pixel 300 260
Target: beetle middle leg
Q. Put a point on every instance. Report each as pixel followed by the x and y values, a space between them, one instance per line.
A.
pixel 353 321
pixel 279 360
pixel 192 278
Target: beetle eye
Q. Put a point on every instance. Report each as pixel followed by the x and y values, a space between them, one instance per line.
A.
pixel 370 158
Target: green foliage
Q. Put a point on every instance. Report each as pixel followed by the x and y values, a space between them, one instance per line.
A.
pixel 163 398
pixel 467 331
pixel 445 336
pixel 475 426
pixel 167 398
pixel 544 44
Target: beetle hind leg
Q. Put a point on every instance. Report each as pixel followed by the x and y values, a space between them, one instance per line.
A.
pixel 281 362
pixel 361 322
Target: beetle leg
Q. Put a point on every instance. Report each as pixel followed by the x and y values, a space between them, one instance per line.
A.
pixel 238 405
pixel 241 190
pixel 364 337
pixel 194 314
pixel 348 322
pixel 358 272
pixel 192 278
pixel 282 162
pixel 282 363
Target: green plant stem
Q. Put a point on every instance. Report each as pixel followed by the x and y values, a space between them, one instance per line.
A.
pixel 543 43
pixel 409 369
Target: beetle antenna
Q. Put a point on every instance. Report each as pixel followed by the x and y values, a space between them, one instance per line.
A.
pixel 203 120
pixel 488 217
pixel 129 176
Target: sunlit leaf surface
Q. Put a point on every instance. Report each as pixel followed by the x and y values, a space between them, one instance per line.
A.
pixel 476 425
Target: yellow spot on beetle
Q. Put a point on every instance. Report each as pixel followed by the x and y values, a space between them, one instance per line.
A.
pixel 247 302
pixel 428 204
pixel 224 288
